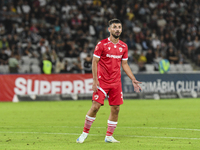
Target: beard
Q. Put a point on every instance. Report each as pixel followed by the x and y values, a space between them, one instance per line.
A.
pixel 116 36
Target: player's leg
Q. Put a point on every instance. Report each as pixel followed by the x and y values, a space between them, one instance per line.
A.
pixel 94 109
pixel 98 100
pixel 112 124
pixel 114 111
pixel 91 116
pixel 115 100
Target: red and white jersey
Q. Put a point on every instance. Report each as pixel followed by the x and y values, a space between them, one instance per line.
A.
pixel 110 55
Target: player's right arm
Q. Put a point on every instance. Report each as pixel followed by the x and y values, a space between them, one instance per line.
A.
pixel 96 57
pixel 94 73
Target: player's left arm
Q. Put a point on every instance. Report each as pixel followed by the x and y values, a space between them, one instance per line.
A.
pixel 129 73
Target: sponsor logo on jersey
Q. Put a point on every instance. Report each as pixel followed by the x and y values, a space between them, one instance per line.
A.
pixel 113 56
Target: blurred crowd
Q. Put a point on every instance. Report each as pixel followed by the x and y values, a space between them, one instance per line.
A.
pixel 65 30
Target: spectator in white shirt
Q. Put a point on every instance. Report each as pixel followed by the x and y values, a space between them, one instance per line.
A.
pixel 161 22
pixel 156 42
pixel 26 8
pixel 196 42
pixel 66 8
pixel 153 4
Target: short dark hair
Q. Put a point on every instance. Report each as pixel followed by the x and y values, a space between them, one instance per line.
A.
pixel 110 22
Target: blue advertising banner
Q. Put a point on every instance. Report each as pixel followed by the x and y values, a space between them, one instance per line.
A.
pixel 163 83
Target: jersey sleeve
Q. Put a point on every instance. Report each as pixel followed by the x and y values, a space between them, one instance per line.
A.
pixel 98 50
pixel 125 55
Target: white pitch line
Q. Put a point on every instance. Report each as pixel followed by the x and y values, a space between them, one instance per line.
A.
pixel 159 137
pixel 163 128
pixel 147 128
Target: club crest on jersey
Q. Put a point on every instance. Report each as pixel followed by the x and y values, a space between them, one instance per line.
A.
pixel 108 48
pixel 96 97
pixel 120 49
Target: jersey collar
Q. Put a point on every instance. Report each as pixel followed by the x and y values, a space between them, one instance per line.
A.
pixel 112 42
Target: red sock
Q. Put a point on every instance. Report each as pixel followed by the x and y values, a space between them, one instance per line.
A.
pixel 88 122
pixel 111 127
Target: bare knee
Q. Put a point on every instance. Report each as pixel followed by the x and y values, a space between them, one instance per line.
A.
pixel 95 107
pixel 115 110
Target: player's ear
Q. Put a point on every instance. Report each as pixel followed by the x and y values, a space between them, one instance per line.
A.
pixel 109 29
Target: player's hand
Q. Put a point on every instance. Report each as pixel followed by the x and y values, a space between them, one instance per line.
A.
pixel 94 86
pixel 136 85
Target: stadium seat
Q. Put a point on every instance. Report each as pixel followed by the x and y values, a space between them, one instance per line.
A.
pixel 149 68
pixel 138 46
pixel 134 68
pixel 34 61
pixel 187 67
pixel 144 53
pixel 35 69
pixel 69 60
pixel 130 53
pixel 172 69
pixel 1 69
pixel 26 60
pixel 179 68
pixel 34 46
pixel 20 62
pixel 6 69
pixel 24 69
pixel 74 59
pixel 24 45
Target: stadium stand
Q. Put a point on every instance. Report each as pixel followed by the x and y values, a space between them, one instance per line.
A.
pixel 39 27
pixel 187 67
pixel 173 68
pixel 26 60
pixel 134 68
pixel 35 69
pixel 24 69
pixel 150 68
pixel 6 69
pixel 34 61
pixel 2 69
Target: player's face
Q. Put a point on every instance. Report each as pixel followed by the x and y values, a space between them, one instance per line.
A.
pixel 115 29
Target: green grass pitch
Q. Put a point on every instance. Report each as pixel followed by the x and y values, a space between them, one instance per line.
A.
pixel 143 125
